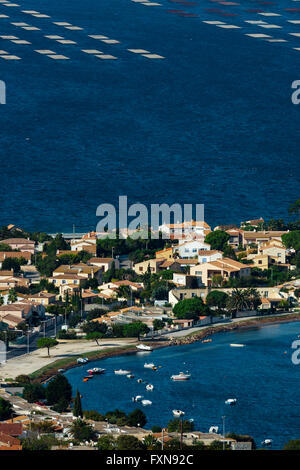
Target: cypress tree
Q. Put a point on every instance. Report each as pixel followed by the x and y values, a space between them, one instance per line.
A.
pixel 77 408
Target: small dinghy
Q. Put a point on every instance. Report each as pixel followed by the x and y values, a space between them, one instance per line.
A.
pixel 214 429
pixel 231 401
pixel 178 413
pixel 139 381
pixel 137 398
pixel 149 365
pixel 267 442
pixel 146 402
pixel 149 387
pixel 130 376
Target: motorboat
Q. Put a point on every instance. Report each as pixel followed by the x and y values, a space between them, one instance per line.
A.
pixel 144 347
pixel 149 387
pixel 231 401
pixel 130 376
pixel 149 365
pixel 96 370
pixel 122 372
pixel 178 413
pixel 214 429
pixel 181 376
pixel 139 381
pixel 137 398
pixel 209 340
pixel 267 442
pixel 236 345
pixel 146 402
pixel 88 377
pixel 82 360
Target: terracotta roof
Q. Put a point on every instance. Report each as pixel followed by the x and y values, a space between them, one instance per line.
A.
pixel 187 261
pixel 100 260
pixel 13 429
pixel 22 241
pixel 208 252
pixel 264 234
pixel 14 254
pixel 9 440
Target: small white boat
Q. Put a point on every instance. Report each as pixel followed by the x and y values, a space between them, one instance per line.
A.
pixel 267 442
pixel 236 345
pixel 139 381
pixel 122 372
pixel 82 360
pixel 130 376
pixel 181 376
pixel 149 365
pixel 144 347
pixel 214 429
pixel 96 370
pixel 137 398
pixel 231 401
pixel 149 387
pixel 146 402
pixel 178 413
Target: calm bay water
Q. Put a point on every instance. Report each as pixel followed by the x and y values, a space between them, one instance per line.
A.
pixel 260 375
pixel 210 123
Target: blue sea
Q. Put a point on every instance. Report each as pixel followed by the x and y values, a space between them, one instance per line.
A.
pixel 210 121
pixel 260 375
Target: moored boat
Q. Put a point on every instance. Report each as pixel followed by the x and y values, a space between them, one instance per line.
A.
pixel 144 347
pixel 146 402
pixel 181 376
pixel 122 372
pixel 149 387
pixel 230 401
pixel 96 370
pixel 149 365
pixel 130 376
pixel 178 413
pixel 137 398
pixel 237 345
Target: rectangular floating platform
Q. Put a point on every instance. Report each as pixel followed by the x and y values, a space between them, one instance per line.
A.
pixel 20 41
pixel 58 57
pixel 258 35
pixel 44 51
pixel 110 41
pixel 10 57
pixel 228 26
pixel 153 56
pixel 91 51
pixel 31 28
pixel 74 28
pixel 97 36
pixel 20 24
pixel 66 41
pixel 9 37
pixel 52 36
pixel 139 51
pixel 61 23
pixel 106 57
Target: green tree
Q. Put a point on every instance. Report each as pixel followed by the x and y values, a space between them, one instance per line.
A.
pixel 61 406
pixel 46 343
pixel 129 443
pixel 106 442
pixel 293 444
pixel 12 296
pixel 82 431
pixel 137 417
pixel 158 324
pixel 151 443
pixel 175 425
pixel 95 336
pixel 294 208
pixel 39 443
pixel 6 409
pixel 33 392
pixel 217 239
pixel 291 239
pixel 77 407
pixel 190 308
pixel 58 388
pixel 216 298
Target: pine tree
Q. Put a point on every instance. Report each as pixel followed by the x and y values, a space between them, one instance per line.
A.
pixel 77 407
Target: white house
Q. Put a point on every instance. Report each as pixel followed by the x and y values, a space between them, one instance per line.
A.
pixel 205 256
pixel 190 249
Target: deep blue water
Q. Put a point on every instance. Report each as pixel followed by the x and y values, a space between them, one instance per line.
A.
pixel 261 376
pixel 210 123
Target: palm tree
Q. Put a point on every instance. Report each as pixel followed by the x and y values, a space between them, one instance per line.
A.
pixel 237 301
pixel 253 298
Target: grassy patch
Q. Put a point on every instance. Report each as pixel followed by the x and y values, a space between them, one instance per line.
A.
pixel 69 362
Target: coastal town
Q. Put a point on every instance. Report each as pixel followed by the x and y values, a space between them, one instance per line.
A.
pixel 71 299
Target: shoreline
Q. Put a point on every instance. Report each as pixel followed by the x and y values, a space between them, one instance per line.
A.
pixel 44 374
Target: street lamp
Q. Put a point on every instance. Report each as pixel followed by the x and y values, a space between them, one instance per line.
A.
pixel 223 419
